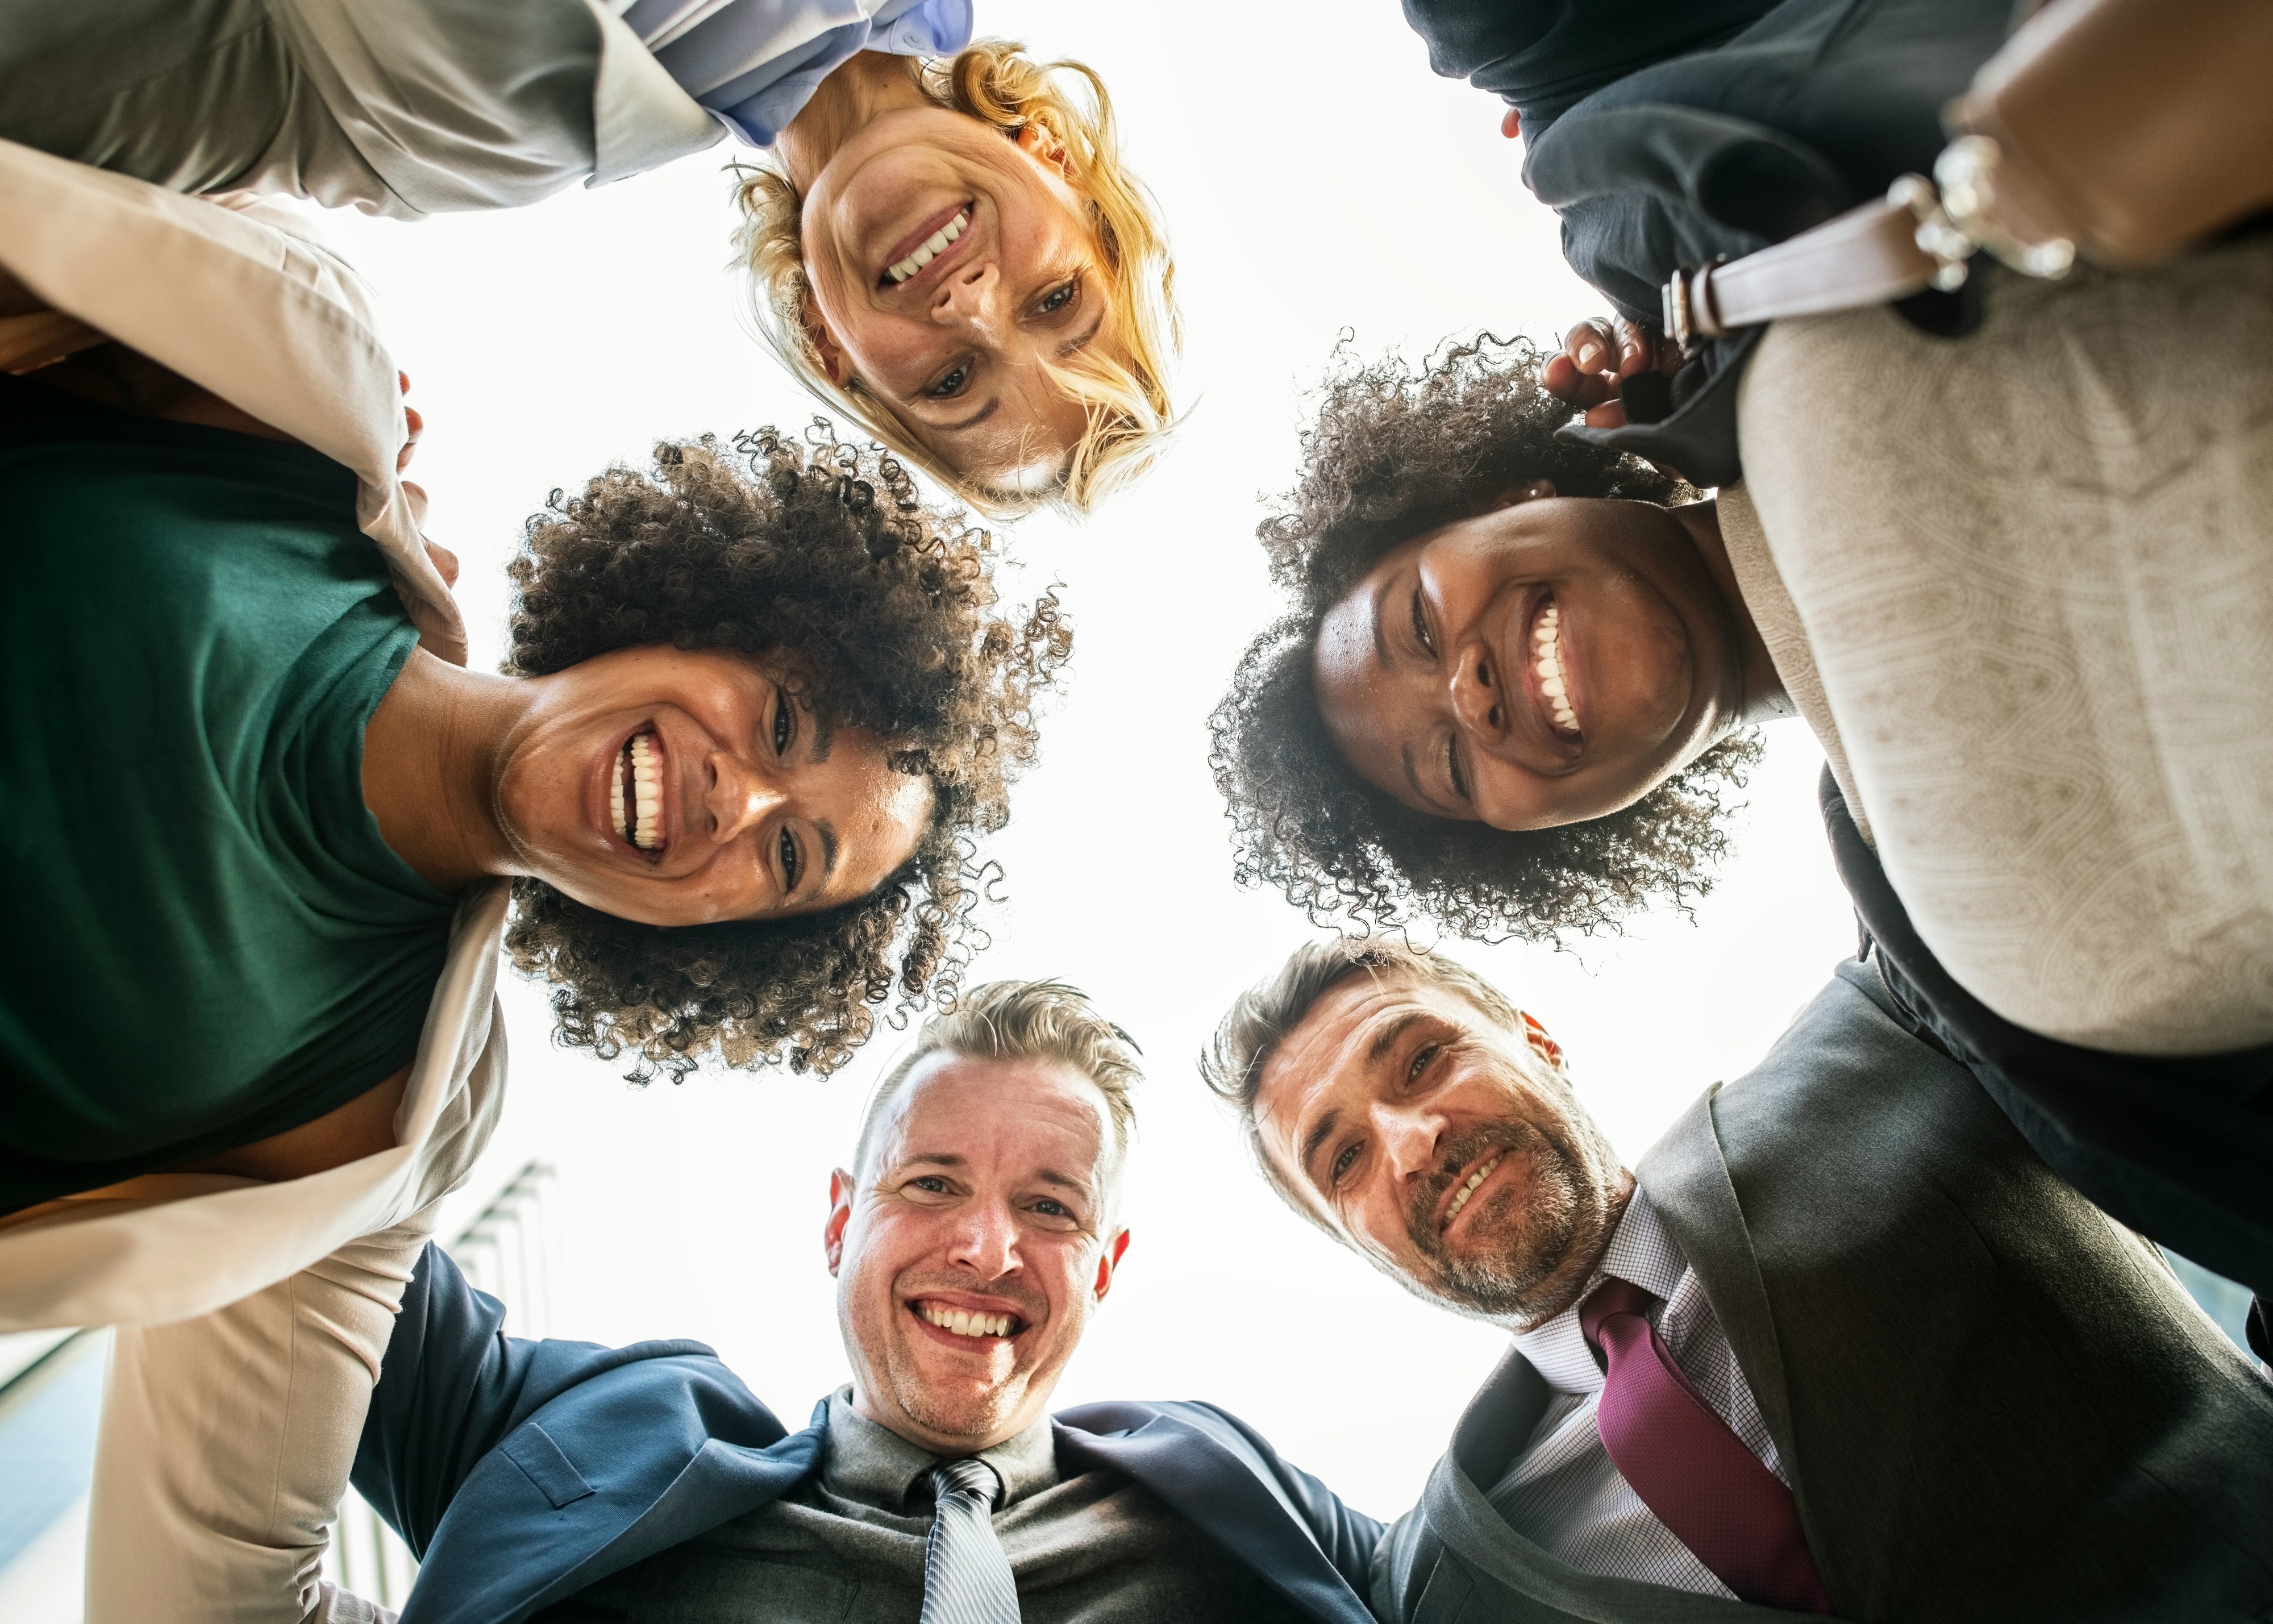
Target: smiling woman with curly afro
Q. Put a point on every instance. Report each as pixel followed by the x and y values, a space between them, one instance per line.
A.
pixel 1392 746
pixel 819 560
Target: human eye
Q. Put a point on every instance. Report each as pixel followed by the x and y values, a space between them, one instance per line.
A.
pixel 950 383
pixel 784 720
pixel 1420 633
pixel 931 1184
pixel 1453 771
pixel 1060 298
pixel 1342 1163
pixel 1420 1061
pixel 792 863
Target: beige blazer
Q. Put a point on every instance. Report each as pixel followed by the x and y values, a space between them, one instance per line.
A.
pixel 242 299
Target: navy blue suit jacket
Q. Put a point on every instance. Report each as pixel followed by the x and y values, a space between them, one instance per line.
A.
pixel 520 1472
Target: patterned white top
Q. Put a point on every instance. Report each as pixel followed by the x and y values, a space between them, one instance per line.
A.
pixel 1563 1494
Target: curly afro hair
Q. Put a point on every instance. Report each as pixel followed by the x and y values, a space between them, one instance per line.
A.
pixel 1396 453
pixel 822 549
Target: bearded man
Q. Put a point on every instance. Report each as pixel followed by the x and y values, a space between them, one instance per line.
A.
pixel 1840 1344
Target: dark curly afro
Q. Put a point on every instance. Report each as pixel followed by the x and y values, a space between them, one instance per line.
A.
pixel 1395 453
pixel 822 549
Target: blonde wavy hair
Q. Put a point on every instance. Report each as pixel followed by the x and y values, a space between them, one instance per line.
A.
pixel 1128 413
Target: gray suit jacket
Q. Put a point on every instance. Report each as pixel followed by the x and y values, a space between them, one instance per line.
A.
pixel 1993 1404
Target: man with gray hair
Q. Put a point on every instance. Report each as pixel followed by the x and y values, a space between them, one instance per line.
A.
pixel 1840 1342
pixel 972 1237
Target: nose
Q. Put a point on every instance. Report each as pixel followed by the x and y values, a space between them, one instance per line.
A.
pixel 1479 694
pixel 740 798
pixel 972 298
pixel 985 1240
pixel 1408 1136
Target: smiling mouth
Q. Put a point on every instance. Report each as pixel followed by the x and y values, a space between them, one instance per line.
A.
pixel 1546 665
pixel 928 250
pixel 1460 1196
pixel 963 1323
pixel 638 794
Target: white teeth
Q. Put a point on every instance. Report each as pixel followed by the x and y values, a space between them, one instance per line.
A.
pixel 1547 655
pixel 641 773
pixel 933 247
pixel 962 1322
pixel 1469 1189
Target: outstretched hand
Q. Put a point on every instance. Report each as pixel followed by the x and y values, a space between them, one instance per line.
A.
pixel 1596 356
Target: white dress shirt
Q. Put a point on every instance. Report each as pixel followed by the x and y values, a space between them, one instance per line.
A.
pixel 1563 1494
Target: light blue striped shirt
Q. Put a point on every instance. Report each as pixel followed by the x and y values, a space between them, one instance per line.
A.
pixel 754 64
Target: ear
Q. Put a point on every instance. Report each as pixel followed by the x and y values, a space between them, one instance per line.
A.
pixel 833 359
pixel 840 1213
pixel 1529 490
pixel 1545 1047
pixel 1109 1260
pixel 1043 147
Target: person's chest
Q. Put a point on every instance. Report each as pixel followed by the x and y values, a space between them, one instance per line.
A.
pixel 1093 1549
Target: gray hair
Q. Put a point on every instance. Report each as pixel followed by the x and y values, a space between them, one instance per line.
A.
pixel 1260 1018
pixel 1023 1020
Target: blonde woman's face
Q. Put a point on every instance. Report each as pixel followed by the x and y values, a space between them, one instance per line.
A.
pixel 950 264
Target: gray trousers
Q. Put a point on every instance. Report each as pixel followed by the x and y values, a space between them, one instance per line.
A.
pixel 400 107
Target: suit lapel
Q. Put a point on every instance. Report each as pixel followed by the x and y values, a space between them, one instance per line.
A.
pixel 1688 1182
pixel 1500 1419
pixel 1225 1497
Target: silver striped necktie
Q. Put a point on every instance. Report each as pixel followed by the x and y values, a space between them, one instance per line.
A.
pixel 966 1577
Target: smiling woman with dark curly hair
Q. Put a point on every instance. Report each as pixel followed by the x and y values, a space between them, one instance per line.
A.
pixel 1380 748
pixel 819 565
pixel 759 701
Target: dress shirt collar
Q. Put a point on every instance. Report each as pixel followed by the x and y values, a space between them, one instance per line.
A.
pixel 1641 1250
pixel 877 1467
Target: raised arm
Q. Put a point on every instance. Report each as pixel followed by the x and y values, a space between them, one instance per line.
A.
pixel 449 1390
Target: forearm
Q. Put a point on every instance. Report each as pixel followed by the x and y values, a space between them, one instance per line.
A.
pixel 226 1441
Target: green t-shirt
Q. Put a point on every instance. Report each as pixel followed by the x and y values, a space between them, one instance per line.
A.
pixel 206 941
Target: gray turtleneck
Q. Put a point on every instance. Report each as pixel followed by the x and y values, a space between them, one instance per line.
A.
pixel 847 1546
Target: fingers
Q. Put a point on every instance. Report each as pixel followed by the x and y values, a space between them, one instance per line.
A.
pixel 1589 345
pixel 413 426
pixel 1599 355
pixel 1583 374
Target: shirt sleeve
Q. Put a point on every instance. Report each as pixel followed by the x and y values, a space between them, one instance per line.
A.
pixel 754 64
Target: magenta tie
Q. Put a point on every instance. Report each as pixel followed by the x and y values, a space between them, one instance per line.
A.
pixel 1688 1466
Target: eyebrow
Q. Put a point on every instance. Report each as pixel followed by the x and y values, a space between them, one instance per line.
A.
pixel 1064 1182
pixel 828 849
pixel 1321 1131
pixel 1074 346
pixel 1385 1039
pixel 1380 637
pixel 824 738
pixel 974 420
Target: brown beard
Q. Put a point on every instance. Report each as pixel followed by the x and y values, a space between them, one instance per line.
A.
pixel 1557 1208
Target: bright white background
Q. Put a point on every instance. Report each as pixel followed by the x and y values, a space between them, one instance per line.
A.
pixel 1317 178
